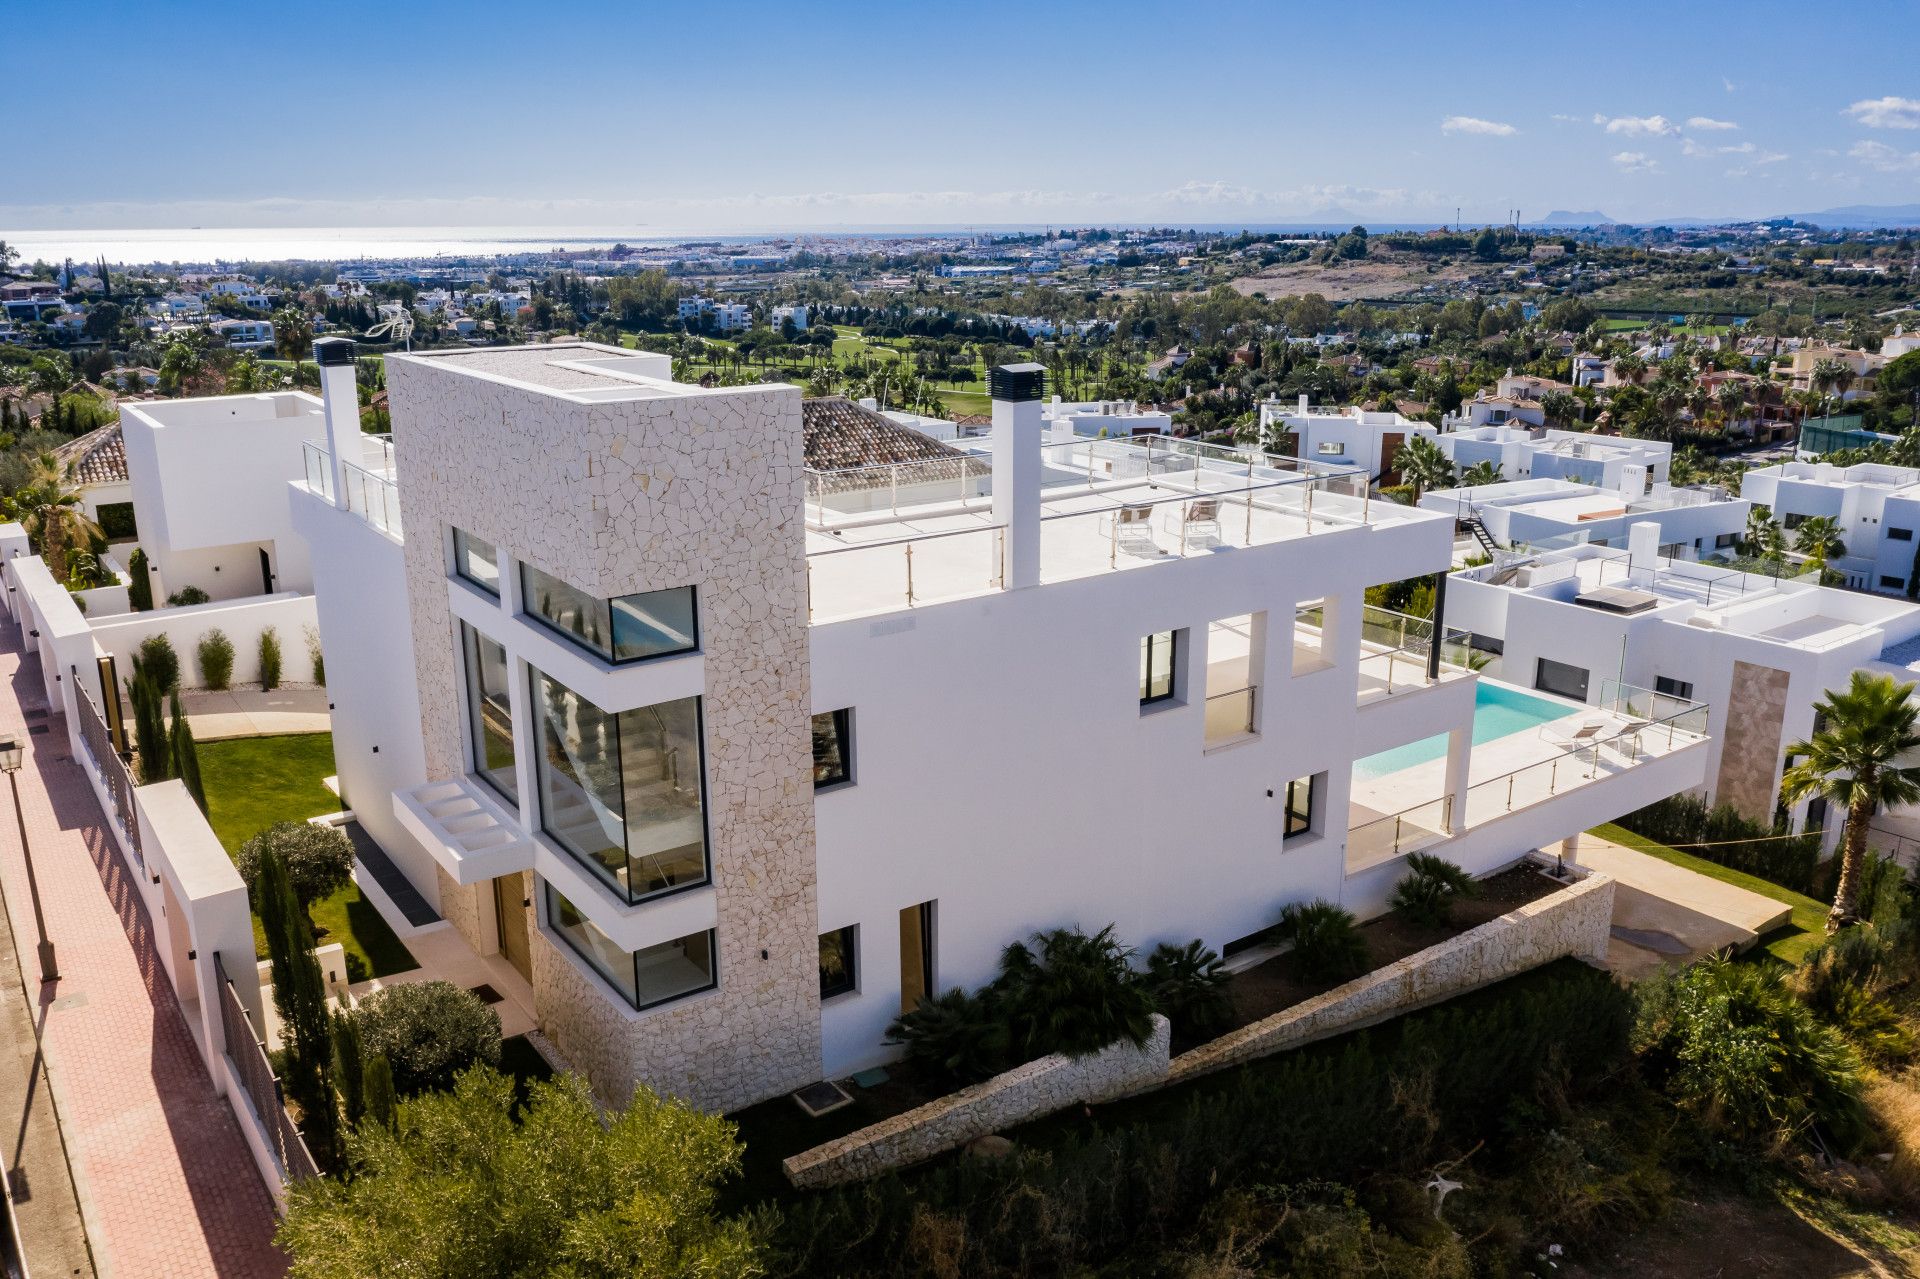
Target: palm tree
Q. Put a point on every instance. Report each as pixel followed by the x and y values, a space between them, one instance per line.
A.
pixel 1732 400
pixel 1559 406
pixel 1479 475
pixel 1422 464
pixel 1763 538
pixel 1826 375
pixel 1862 759
pixel 1818 538
pixel 292 335
pixel 48 507
pixel 1629 369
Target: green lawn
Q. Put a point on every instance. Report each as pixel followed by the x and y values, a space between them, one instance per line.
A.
pixel 1790 942
pixel 253 782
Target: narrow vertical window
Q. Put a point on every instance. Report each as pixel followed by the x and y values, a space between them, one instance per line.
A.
pixel 832 748
pixel 1157 655
pixel 839 973
pixel 489 714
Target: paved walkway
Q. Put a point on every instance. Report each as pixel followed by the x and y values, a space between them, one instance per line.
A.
pixel 248 712
pixel 165 1180
pixel 1665 914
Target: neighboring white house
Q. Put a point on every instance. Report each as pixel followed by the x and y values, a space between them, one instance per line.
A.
pixel 666 748
pixel 96 464
pixel 796 313
pixel 1522 454
pixel 242 291
pixel 1694 522
pixel 1762 648
pixel 1876 507
pixel 244 335
pixel 726 316
pixel 178 306
pixel 1351 436
pixel 1899 343
pixel 208 479
pixel 1092 418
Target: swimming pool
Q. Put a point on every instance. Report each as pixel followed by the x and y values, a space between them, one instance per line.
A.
pixel 1497 712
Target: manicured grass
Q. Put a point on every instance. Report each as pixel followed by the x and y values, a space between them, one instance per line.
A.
pixel 1789 943
pixel 253 782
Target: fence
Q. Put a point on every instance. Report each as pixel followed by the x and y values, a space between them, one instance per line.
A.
pixel 111 768
pixel 255 1073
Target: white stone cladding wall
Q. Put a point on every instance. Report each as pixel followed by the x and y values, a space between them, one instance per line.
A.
pixel 460 906
pixel 1025 1092
pixel 705 489
pixel 1574 921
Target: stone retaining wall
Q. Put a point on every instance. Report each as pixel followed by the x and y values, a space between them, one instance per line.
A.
pixel 1025 1092
pixel 1574 921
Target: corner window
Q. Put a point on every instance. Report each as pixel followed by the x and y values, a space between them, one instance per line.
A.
pixel 627 629
pixel 489 713
pixel 477 561
pixel 1299 818
pixel 622 793
pixel 839 973
pixel 832 748
pixel 647 977
pixel 1158 654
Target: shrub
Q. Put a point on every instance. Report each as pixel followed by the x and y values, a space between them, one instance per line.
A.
pixel 139 583
pixel 1327 945
pixel 318 859
pixel 1730 1044
pixel 1071 993
pixel 187 596
pixel 216 659
pixel 1188 986
pixel 269 659
pixel 429 1032
pixel 956 1038
pixel 1724 835
pixel 156 657
pixel 315 655
pixel 1426 893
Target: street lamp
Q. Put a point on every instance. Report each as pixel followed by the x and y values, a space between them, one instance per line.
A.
pixel 11 755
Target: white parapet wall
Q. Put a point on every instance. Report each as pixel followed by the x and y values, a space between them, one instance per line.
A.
pixel 241 620
pixel 1575 921
pixel 1025 1092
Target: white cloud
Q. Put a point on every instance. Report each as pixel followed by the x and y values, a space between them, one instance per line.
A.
pixel 1878 155
pixel 1636 126
pixel 1635 162
pixel 1473 124
pixel 1728 85
pixel 1708 122
pixel 1887 113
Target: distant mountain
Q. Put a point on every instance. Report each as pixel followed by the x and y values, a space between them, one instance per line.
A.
pixel 1560 217
pixel 1864 215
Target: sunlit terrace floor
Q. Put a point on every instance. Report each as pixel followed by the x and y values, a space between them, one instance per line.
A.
pixel 862 569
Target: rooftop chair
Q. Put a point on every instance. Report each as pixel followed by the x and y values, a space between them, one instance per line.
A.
pixel 1200 518
pixel 1133 530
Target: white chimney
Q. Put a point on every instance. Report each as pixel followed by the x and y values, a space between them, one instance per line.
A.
pixel 1643 552
pixel 1019 421
pixel 340 395
pixel 870 404
pixel 1303 404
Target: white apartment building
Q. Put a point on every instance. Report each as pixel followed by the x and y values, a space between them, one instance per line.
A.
pixel 1522 453
pixel 1347 437
pixel 207 479
pixel 1876 507
pixel 1766 649
pixel 796 313
pixel 1694 522
pixel 727 317
pixel 732 759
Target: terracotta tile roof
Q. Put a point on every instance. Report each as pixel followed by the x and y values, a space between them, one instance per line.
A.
pixel 840 435
pixel 98 457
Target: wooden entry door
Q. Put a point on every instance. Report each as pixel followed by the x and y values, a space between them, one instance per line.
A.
pixel 509 897
pixel 1390 442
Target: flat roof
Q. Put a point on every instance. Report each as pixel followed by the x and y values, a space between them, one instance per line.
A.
pixel 583 372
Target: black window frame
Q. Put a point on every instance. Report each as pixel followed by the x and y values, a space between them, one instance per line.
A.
pixel 1541 683
pixel 460 539
pixel 848 982
pixel 1667 686
pixel 1148 644
pixel 470 639
pixel 607 656
pixel 1888 582
pixel 1900 534
pixel 1297 822
pixel 842 722
pixel 632 1001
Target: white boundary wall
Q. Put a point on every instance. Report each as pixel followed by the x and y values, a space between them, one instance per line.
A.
pixel 243 620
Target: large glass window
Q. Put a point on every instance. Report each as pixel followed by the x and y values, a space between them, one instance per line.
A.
pixel 647 977
pixel 489 713
pixel 626 629
pixel 623 793
pixel 1157 654
pixel 839 957
pixel 477 561
pixel 832 748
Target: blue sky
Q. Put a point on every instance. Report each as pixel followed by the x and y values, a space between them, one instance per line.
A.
pixel 751 114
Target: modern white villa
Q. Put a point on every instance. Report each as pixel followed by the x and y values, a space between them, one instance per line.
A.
pixel 1523 453
pixel 1695 522
pixel 1876 508
pixel 1760 650
pixel 1351 437
pixel 661 693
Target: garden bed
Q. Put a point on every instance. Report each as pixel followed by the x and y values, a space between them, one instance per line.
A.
pixel 1277 984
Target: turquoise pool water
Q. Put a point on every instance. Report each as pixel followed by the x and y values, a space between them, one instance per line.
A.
pixel 1497 712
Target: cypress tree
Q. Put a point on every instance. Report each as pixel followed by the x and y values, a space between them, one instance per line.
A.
pixel 186 758
pixel 149 725
pixel 377 1092
pixel 349 1069
pixel 139 584
pixel 300 993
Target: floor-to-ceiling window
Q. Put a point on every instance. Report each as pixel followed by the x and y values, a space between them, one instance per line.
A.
pixel 626 629
pixel 646 977
pixel 623 792
pixel 489 713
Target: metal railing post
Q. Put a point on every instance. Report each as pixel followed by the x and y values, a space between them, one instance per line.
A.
pixel 909 573
pixel 893 496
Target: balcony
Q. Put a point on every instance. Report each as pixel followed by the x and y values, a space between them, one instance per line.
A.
pixel 1396 651
pixel 1522 770
pixel 464 830
pixel 371 490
